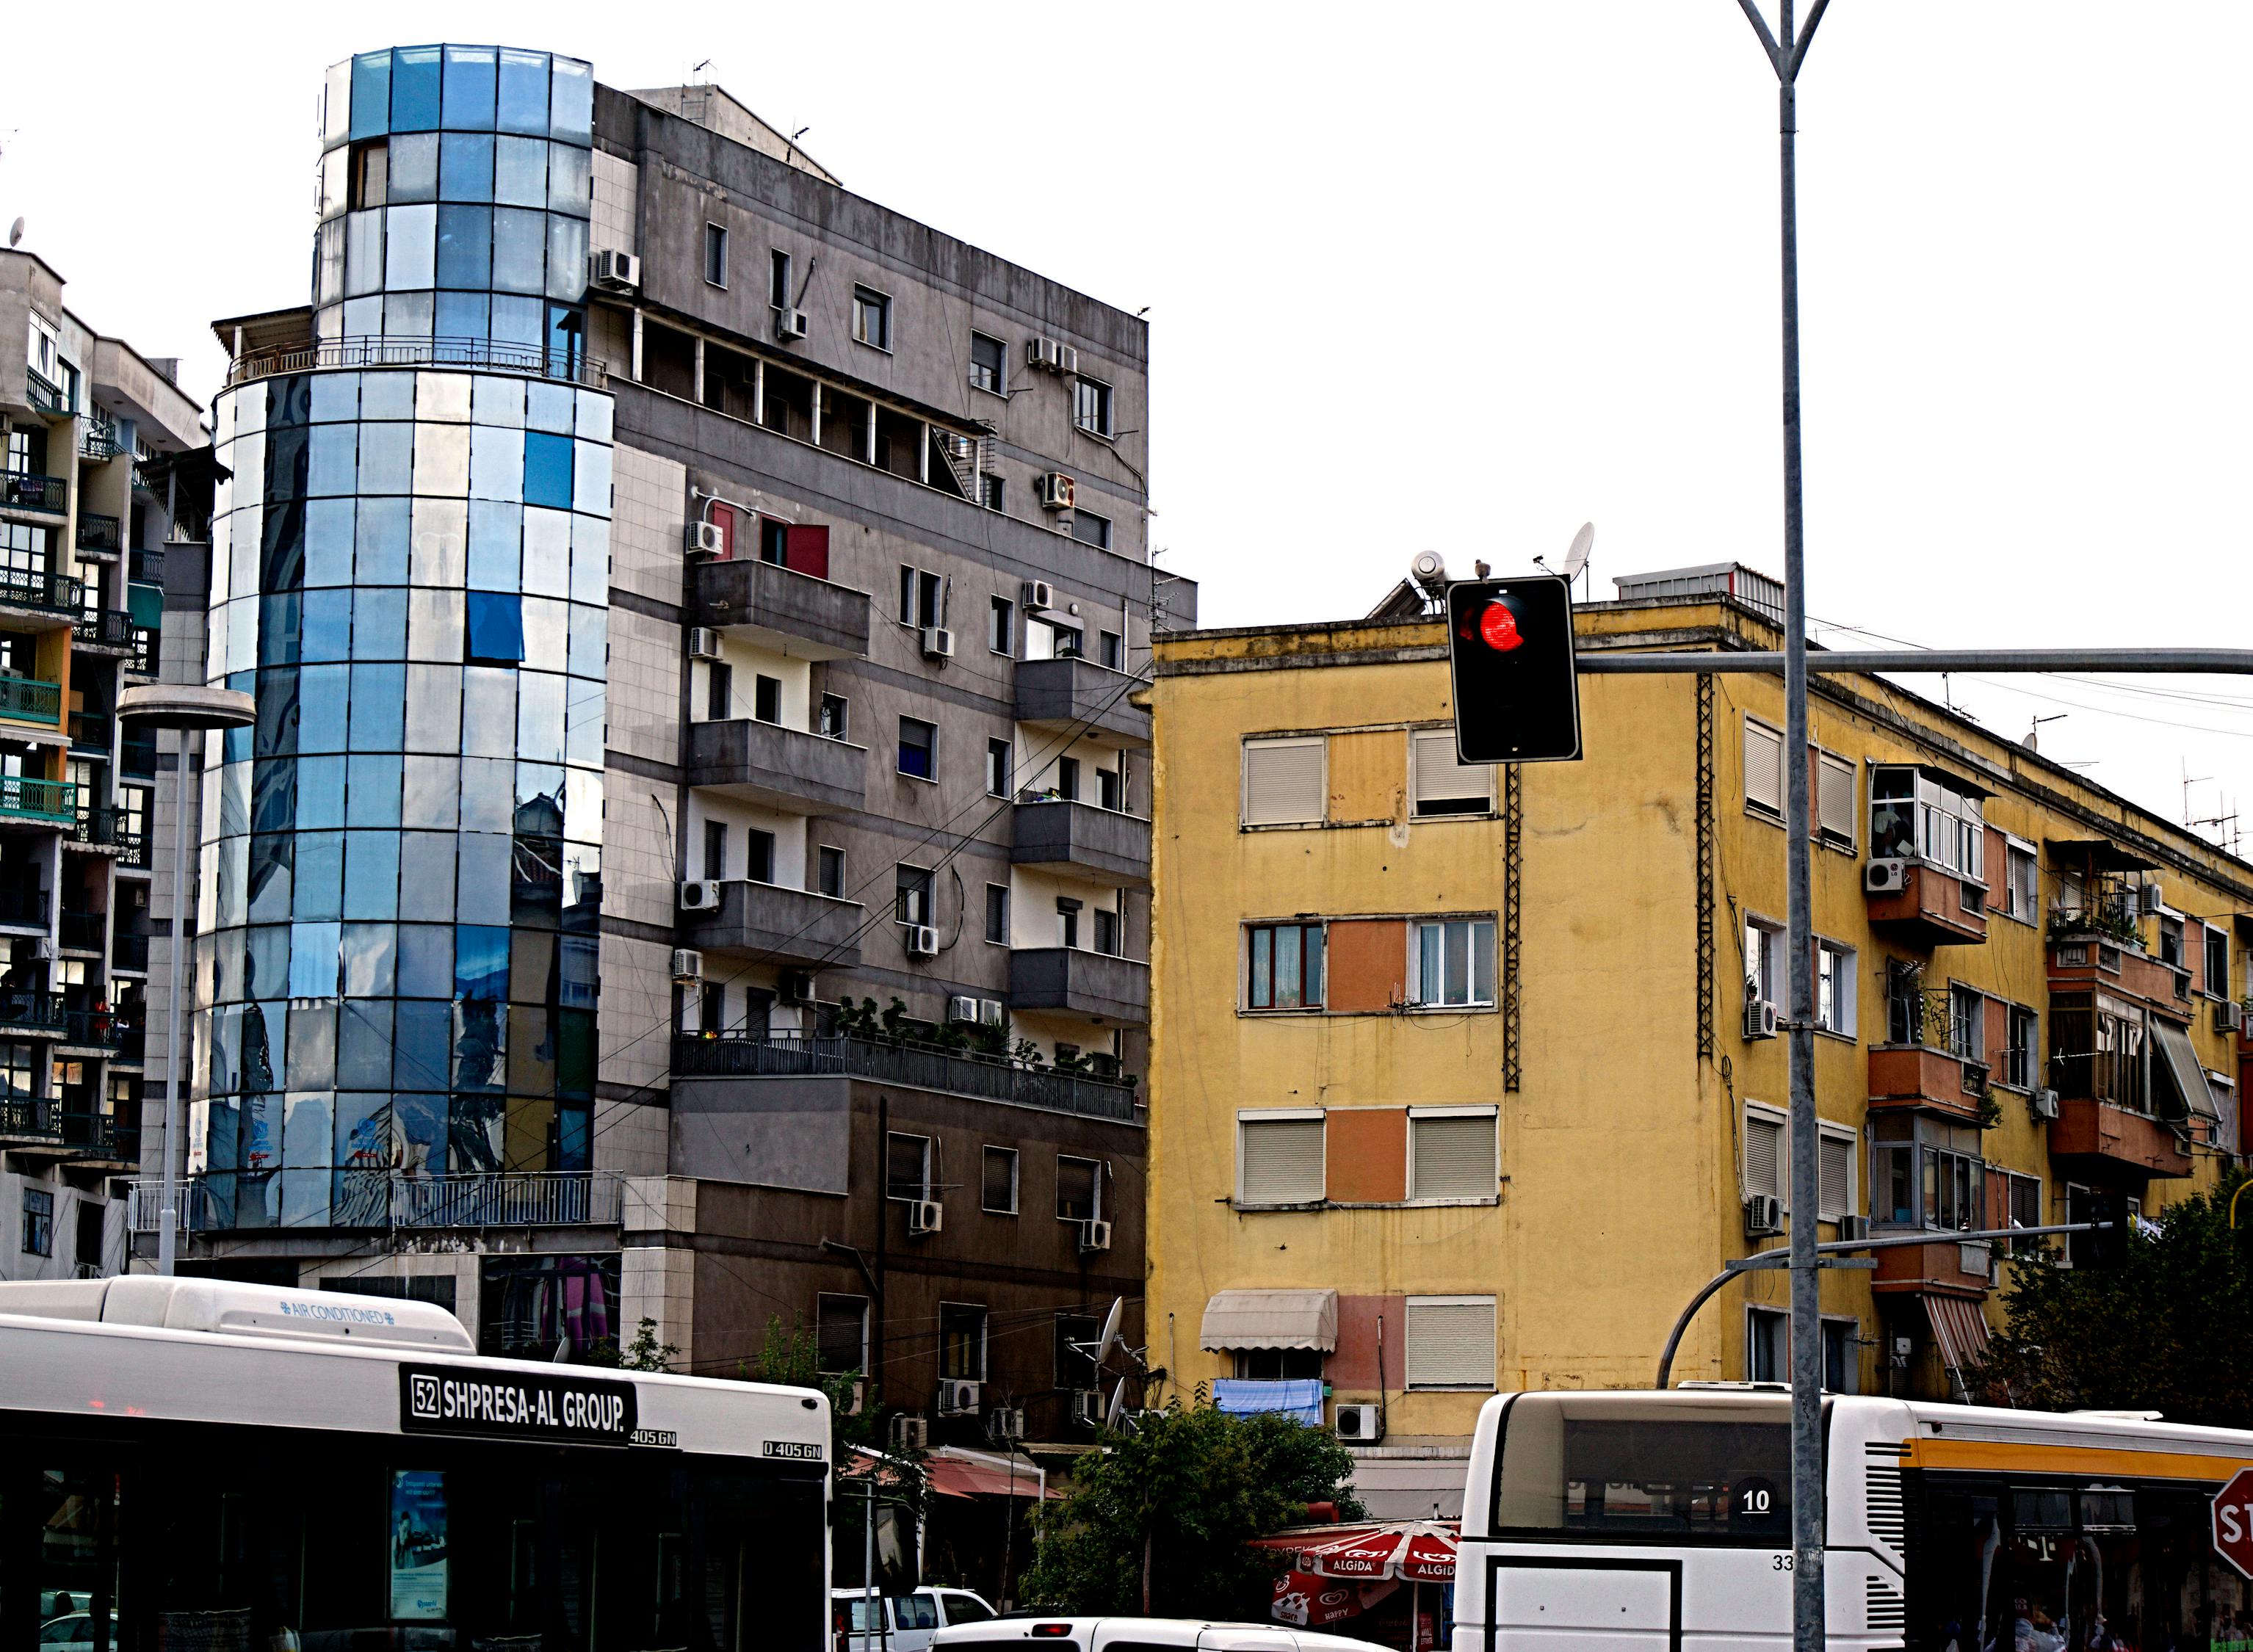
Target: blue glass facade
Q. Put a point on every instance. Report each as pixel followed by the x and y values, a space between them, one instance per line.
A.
pixel 396 955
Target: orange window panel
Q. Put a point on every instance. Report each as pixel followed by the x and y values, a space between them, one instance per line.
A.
pixel 1366 1150
pixel 1368 963
pixel 1368 771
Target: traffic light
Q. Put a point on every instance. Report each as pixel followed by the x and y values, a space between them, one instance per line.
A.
pixel 1510 649
pixel 2105 1247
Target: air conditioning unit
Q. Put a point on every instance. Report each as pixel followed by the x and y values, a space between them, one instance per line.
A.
pixel 921 941
pixel 925 1216
pixel 610 268
pixel 703 643
pixel 938 643
pixel 1056 490
pixel 1038 596
pixel 1362 1425
pixel 706 541
pixel 1093 1236
pixel 2045 1104
pixel 789 323
pixel 2149 899
pixel 1853 1228
pixel 910 1433
pixel 990 1012
pixel 2228 1017
pixel 1764 1216
pixel 1046 355
pixel 1760 1018
pixel 853 1400
pixel 700 894
pixel 687 965
pixel 1006 1422
pixel 1067 359
pixel 957 1398
pixel 43 949
pixel 1886 877
pixel 1087 1408
pixel 795 987
pixel 962 1009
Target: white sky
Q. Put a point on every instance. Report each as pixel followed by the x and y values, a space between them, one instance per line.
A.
pixel 1451 277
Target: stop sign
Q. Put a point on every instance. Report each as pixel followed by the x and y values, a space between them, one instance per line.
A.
pixel 2232 1522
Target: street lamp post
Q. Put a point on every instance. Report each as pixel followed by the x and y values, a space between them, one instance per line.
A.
pixel 185 709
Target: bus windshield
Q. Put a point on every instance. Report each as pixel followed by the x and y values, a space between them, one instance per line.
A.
pixel 1579 1467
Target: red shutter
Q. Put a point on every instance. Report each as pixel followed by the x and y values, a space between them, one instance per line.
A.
pixel 807 550
pixel 724 516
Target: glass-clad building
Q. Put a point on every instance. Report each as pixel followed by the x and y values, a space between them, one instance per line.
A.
pixel 401 871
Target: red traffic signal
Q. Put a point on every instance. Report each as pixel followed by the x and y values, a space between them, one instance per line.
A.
pixel 1510 654
pixel 1497 627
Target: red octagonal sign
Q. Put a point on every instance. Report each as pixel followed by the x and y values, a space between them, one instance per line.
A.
pixel 2232 1522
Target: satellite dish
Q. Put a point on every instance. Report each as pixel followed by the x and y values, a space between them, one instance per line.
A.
pixel 1117 1409
pixel 1109 1340
pixel 1577 558
pixel 15 232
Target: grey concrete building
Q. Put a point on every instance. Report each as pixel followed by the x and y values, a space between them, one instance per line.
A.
pixel 745 919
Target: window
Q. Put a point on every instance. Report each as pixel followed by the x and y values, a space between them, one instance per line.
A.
pixel 719 691
pixel 989 492
pixel 715 254
pixel 774 541
pixel 39 1222
pixel 1451 1154
pixel 1091 406
pixel 1842 1364
pixel 494 633
pixel 998 1186
pixel 1110 788
pixel 1905 1006
pixel 1279 1158
pixel 918 749
pixel 1763 769
pixel 2171 942
pixel 997 914
pixel 1079 1189
pixel 1764 981
pixel 997 768
pixel 2021 883
pixel 836 716
pixel 1106 932
pixel 1442 785
pixel 842 1333
pixel 1284 781
pixel 1067 921
pixel 961 1344
pixel 1067 779
pixel 911 890
pixel 1834 988
pixel 923 596
pixel 758 860
pixel 371 175
pixel 2217 962
pixel 1063 643
pixel 907 1166
pixel 1450 1341
pixel 1090 529
pixel 2025 1208
pixel 1967 1023
pixel 1834 799
pixel 1767 1164
pixel 872 317
pixel 715 848
pixel 2021 1056
pixel 1451 962
pixel 1834 1174
pixel 1285 964
pixel 1278 1365
pixel 778 278
pixel 1110 651
pixel 1001 627
pixel 830 873
pixel 1767 1345
pixel 1915 816
pixel 988 363
pixel 766 697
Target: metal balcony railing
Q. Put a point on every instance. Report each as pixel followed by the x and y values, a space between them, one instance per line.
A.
pixel 106 627
pixel 113 828
pixel 28 490
pixel 93 1029
pixel 147 568
pixel 24 1010
pixel 98 532
pixel 145 479
pixel 30 1118
pixel 147 640
pixel 81 932
pixel 925 1067
pixel 129 952
pixel 97 437
pixel 89 730
pixel 24 903
pixel 391 1199
pixel 36 587
pixel 98 1135
pixel 372 351
pixel 137 755
pixel 52 801
pixel 29 700
pixel 45 397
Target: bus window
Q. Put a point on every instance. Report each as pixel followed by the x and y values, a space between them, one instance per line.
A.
pixel 1576 1467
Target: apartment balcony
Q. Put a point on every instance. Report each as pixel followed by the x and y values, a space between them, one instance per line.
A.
pixel 1082 697
pixel 916 1066
pixel 1936 1080
pixel 1067 978
pixel 97 438
pixel 97 1141
pixel 128 955
pixel 1930 907
pixel 1945 1267
pixel 137 755
pixel 94 1035
pixel 146 567
pixel 394 1200
pixel 30 700
pixel 1060 835
pixel 32 1125
pixel 2083 960
pixel 781 768
pixel 2106 1141
pixel 780 608
pixel 374 350
pixel 111 831
pixel 24 801
pixel 786 926
pixel 98 535
pixel 82 932
pixel 47 398
pixel 32 601
pixel 104 630
pixel 90 732
pixel 147 641
pixel 30 491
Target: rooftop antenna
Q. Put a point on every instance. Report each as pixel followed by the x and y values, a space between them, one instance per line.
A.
pixel 2187 783
pixel 2034 734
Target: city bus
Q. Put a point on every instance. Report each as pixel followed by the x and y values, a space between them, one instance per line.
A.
pixel 1662 1521
pixel 198 1466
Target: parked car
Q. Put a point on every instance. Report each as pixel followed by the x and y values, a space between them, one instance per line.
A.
pixel 903 1622
pixel 71 1631
pixel 1145 1634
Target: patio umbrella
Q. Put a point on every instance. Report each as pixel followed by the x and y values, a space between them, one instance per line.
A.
pixel 1411 1552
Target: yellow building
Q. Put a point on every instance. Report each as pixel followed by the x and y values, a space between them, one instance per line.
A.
pixel 1466 1079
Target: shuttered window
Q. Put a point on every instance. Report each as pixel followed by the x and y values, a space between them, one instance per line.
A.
pixel 1763 768
pixel 1834 799
pixel 1451 1155
pixel 1764 1155
pixel 1280 1160
pixel 1451 1342
pixel 1444 786
pixel 1834 1166
pixel 1283 781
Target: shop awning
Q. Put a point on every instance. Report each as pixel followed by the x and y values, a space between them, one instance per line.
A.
pixel 956 1473
pixel 1409 1550
pixel 2179 1064
pixel 1270 1318
pixel 1961 1330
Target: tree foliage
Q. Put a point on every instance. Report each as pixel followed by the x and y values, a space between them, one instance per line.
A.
pixel 1173 1505
pixel 2170 1330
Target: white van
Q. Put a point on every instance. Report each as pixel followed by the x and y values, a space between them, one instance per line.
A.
pixel 902 1622
pixel 1145 1634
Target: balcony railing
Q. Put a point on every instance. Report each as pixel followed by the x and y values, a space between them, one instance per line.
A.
pixel 98 1136
pixel 390 1199
pixel 129 952
pixel 98 532
pixel 45 397
pixel 81 932
pixel 985 1076
pixel 104 628
pixel 146 642
pixel 49 592
pixel 28 490
pixel 146 479
pixel 25 1118
pixel 52 801
pixel 137 756
pixel 147 568
pixel 29 700
pixel 24 904
pixel 113 828
pixel 370 351
pixel 23 1010
pixel 97 437
pixel 89 730
pixel 93 1029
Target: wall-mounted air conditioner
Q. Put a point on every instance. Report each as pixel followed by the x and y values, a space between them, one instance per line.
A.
pixel 703 643
pixel 1093 1236
pixel 1056 490
pixel 962 1008
pixel 921 941
pixel 1764 1216
pixel 706 541
pixel 795 987
pixel 910 1433
pixel 925 1216
pixel 1006 1422
pixel 790 324
pixel 1853 1228
pixel 2149 899
pixel 687 965
pixel 700 894
pixel 2228 1017
pixel 938 643
pixel 1038 596
pixel 2045 1104
pixel 1087 1408
pixel 1362 1425
pixel 614 271
pixel 991 1012
pixel 1886 877
pixel 1760 1018
pixel 958 1397
pixel 1046 355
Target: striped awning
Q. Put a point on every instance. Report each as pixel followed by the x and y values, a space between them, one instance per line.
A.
pixel 1270 1318
pixel 1961 1330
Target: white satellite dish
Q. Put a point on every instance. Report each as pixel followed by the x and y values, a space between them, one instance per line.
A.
pixel 15 232
pixel 1577 558
pixel 1117 1409
pixel 1109 1340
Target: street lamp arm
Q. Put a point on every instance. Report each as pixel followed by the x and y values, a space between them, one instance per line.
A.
pixel 1798 54
pixel 1767 40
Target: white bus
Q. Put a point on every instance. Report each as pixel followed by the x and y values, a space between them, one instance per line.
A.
pixel 192 1466
pixel 1662 1522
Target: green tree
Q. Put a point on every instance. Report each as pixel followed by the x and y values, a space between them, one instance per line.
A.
pixel 2169 1330
pixel 645 1353
pixel 1159 1519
